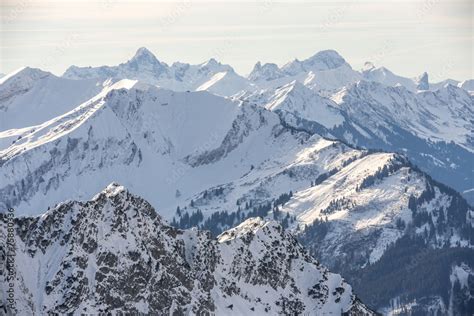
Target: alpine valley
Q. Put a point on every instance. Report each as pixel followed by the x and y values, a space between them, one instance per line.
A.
pixel 256 181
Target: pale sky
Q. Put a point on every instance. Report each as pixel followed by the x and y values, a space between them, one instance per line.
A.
pixel 408 37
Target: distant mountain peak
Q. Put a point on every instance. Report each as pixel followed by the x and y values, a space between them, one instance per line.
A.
pixel 212 62
pixel 321 61
pixel 265 72
pixel 143 54
pixel 21 81
pixel 25 73
pixel 325 59
pixel 422 82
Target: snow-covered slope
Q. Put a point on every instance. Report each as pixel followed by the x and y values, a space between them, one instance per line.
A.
pixel 211 154
pixel 266 72
pixel 434 128
pixel 324 71
pixel 271 150
pixel 294 102
pixel 115 254
pixel 376 199
pixel 31 96
pixel 226 84
pixel 388 78
pixel 135 134
pixel 442 115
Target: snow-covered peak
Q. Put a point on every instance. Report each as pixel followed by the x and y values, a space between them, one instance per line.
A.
pixel 321 61
pixel 422 82
pixel 226 83
pixel 249 226
pixel 104 245
pixel 442 115
pixel 266 72
pixel 214 65
pixel 211 63
pixel 294 101
pixel 22 78
pixel 145 56
pixel 20 81
pixel 388 78
pixel 293 68
pixel 324 60
pixel 144 53
pixel 32 96
pixel 145 62
pixel 143 66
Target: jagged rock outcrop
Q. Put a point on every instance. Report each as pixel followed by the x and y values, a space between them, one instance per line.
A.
pixel 115 254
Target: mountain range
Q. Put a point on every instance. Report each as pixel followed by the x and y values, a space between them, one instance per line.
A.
pixel 361 167
pixel 432 123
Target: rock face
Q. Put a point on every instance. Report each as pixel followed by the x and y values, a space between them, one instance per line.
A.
pixel 115 254
pixel 422 82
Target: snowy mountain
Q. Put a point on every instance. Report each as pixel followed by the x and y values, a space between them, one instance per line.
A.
pixel 327 151
pixel 433 128
pixel 136 133
pixel 144 66
pixel 226 84
pixel 324 71
pixel 212 162
pixel 266 72
pixel 31 96
pixel 388 78
pixel 115 254
pixel 467 85
pixel 294 102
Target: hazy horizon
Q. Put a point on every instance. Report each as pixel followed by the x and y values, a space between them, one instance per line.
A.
pixel 407 37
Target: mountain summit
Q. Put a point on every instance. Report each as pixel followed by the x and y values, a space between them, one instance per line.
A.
pixel 114 254
pixel 143 54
